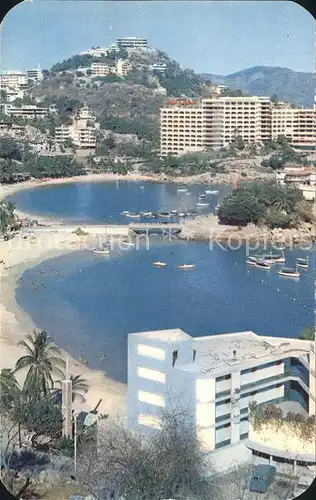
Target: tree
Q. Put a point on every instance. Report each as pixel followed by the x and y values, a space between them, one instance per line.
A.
pixel 8 219
pixel 8 388
pixel 241 208
pixel 308 333
pixel 276 218
pixel 10 149
pixel 167 463
pixel 79 388
pixel 42 359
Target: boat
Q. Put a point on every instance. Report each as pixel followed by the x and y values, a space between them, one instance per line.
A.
pixel 125 212
pixel 165 214
pixel 202 195
pixel 208 191
pixel 188 193
pixel 141 187
pixel 186 266
pixel 159 264
pixel 182 189
pixel 133 215
pixel 202 204
pixel 262 264
pixel 251 261
pixel 146 213
pixel 289 273
pixel 182 214
pixel 102 251
pixel 214 191
pixel 272 258
pixel 302 262
pixel 216 209
pixel 174 212
pixel 128 243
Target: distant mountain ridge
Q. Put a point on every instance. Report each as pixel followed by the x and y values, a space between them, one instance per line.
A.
pixel 290 86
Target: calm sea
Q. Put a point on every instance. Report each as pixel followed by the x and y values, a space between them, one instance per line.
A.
pixel 90 303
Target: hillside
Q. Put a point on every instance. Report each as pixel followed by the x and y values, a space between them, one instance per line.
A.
pixel 287 85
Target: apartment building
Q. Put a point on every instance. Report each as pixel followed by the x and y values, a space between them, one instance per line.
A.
pixel 123 67
pixel 12 93
pixel 13 78
pixel 159 68
pixel 34 75
pixel 181 128
pixel 214 378
pixel 132 42
pixel 83 131
pixel 100 69
pixel 297 124
pixel 62 133
pixel 255 119
pixel 25 111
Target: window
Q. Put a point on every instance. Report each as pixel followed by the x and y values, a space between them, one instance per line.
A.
pixel 223 377
pixel 194 355
pixel 174 357
pixel 151 352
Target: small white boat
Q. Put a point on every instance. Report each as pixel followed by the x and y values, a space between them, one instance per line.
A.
pixel 289 273
pixel 159 264
pixel 134 216
pixel 141 187
pixel 128 243
pixel 214 191
pixel 186 266
pixel 101 251
pixel 202 204
pixel 182 189
pixel 188 193
pixel 182 214
pixel 302 262
pixel 146 213
pixel 208 191
pixel 125 212
pixel 174 212
pixel 272 258
pixel 165 214
pixel 262 264
pixel 251 261
pixel 201 196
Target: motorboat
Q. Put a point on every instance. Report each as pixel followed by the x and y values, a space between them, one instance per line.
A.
pixel 262 264
pixel 146 213
pixel 182 189
pixel 182 214
pixel 192 212
pixel 289 273
pixel 302 262
pixel 188 193
pixel 202 204
pixel 102 251
pixel 174 212
pixel 159 264
pixel 214 191
pixel 273 258
pixel 165 214
pixel 202 196
pixel 133 215
pixel 251 261
pixel 125 212
pixel 208 191
pixel 186 266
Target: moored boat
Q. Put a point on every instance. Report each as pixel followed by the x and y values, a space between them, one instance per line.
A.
pixel 273 258
pixel 251 261
pixel 146 213
pixel 102 251
pixel 302 262
pixel 262 264
pixel 214 191
pixel 159 264
pixel 289 273
pixel 182 189
pixel 165 214
pixel 133 215
pixel 202 196
pixel 202 204
pixel 186 266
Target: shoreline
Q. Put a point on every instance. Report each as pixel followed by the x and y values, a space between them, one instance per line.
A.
pixel 20 255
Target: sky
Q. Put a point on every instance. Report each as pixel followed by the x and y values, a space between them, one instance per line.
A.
pixel 209 37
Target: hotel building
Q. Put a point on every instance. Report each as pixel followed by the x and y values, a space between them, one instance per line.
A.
pixel 34 75
pixel 13 78
pixel 100 69
pixel 254 118
pixel 123 67
pixel 215 378
pixel 132 42
pixel 83 131
pixel 26 111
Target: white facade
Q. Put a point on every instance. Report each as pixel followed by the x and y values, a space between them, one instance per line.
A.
pixel 34 75
pixel 97 52
pixel 13 93
pixel 13 78
pixel 213 378
pixel 123 67
pixel 100 69
pixel 132 42
pixel 25 111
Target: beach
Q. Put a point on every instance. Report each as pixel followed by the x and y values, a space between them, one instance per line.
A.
pixel 18 254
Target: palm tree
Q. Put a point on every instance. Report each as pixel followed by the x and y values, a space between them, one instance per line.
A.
pixel 8 387
pixel 79 386
pixel 42 359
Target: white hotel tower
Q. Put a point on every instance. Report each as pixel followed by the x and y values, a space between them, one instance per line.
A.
pixel 214 378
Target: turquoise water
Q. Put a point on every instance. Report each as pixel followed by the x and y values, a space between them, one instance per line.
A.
pixel 90 303
pixel 103 202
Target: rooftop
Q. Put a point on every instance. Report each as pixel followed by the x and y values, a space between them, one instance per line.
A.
pixel 232 349
pixel 168 336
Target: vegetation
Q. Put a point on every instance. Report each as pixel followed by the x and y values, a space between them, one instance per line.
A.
pixel 126 460
pixel 40 362
pixel 143 128
pixel 281 153
pixel 264 203
pixel 73 63
pixel 302 426
pixel 8 220
pixel 186 165
pixel 308 333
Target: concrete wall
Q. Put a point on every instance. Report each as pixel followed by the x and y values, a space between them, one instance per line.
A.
pixel 205 412
pixel 262 373
pixel 154 384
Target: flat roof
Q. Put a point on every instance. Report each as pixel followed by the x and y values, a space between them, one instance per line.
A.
pixel 217 351
pixel 168 336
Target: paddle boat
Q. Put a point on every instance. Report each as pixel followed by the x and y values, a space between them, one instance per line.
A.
pixel 186 266
pixel 159 264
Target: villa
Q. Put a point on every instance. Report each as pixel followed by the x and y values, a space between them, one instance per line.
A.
pixel 215 378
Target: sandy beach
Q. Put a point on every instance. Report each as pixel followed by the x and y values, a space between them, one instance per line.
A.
pixel 19 254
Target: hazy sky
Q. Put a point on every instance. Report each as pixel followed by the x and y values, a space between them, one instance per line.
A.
pixel 216 37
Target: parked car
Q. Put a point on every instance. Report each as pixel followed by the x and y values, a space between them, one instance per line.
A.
pixel 261 478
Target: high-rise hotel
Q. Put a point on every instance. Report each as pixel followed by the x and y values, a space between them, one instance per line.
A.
pixel 188 125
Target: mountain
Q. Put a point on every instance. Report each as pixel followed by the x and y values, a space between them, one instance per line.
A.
pixel 290 86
